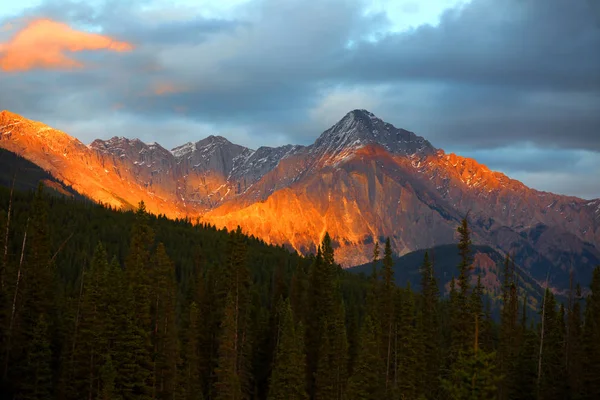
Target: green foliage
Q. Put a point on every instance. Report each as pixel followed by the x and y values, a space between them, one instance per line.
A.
pixel 368 378
pixel 190 312
pixel 591 341
pixel 287 379
pixel 473 377
pixel 37 381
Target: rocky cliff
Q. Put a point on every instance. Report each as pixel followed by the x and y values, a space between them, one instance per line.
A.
pixel 361 180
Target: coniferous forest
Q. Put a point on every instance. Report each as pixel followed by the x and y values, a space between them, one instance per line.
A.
pixel 105 304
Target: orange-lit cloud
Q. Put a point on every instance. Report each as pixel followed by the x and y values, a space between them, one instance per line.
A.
pixel 43 44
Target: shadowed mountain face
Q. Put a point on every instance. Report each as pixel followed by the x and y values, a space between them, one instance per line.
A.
pixel 362 180
pixel 488 264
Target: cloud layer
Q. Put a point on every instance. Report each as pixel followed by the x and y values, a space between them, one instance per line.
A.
pixel 43 44
pixel 496 80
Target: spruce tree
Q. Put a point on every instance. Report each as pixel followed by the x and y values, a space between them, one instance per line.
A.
pixel 368 378
pixel 165 335
pixel 288 376
pixel 191 375
pixel 37 384
pixel 552 384
pixel 509 332
pixel 332 368
pixel 473 375
pixel 525 374
pixel 387 313
pixel 228 384
pixel 408 359
pixel 139 273
pixel 35 297
pixel 108 375
pixel 574 349
pixel 88 339
pixel 463 326
pixel 591 340
pixel 430 332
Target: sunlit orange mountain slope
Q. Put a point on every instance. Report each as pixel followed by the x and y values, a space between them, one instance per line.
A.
pixel 362 180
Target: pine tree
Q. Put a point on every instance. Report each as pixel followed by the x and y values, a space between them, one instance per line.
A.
pixel 165 336
pixel 321 290
pixel 525 373
pixel 509 332
pixel 139 274
pixel 35 295
pixel 228 385
pixel 332 357
pixel 574 350
pixel 108 375
pixel 88 341
pixel 331 374
pixel 191 376
pixel 408 360
pixel 473 375
pixel 387 313
pixel 372 298
pixel 463 326
pixel 288 376
pixel 38 379
pixel 368 378
pixel 591 340
pixel 553 371
pixel 430 331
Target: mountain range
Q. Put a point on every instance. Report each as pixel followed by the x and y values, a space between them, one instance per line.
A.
pixel 362 180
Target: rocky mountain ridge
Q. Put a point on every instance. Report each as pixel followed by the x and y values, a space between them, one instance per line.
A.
pixel 361 180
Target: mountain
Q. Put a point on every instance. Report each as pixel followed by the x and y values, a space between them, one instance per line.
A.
pixel 487 263
pixel 362 180
pixel 29 176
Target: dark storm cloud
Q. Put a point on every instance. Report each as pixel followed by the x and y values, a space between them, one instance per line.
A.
pixel 525 44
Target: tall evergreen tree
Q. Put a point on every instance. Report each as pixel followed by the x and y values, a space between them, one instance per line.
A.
pixel 509 332
pixel 38 381
pixel 139 273
pixel 191 375
pixel 165 334
pixel 525 374
pixel 34 307
pixel 368 377
pixel 430 332
pixel 463 325
pixel 591 340
pixel 288 377
pixel 88 339
pixel 473 375
pixel 553 371
pixel 408 359
pixel 387 313
pixel 228 384
pixel 574 346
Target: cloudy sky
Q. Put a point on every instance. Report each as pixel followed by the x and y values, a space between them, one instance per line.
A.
pixel 512 83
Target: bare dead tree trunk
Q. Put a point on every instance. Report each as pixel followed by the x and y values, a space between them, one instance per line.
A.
pixel 60 248
pixel 5 256
pixel 14 303
pixel 539 377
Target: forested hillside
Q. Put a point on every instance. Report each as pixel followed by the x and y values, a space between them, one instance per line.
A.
pixel 101 304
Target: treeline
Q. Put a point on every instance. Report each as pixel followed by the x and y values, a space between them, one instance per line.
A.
pixel 97 304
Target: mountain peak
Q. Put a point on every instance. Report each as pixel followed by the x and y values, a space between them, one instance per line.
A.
pixel 361 127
